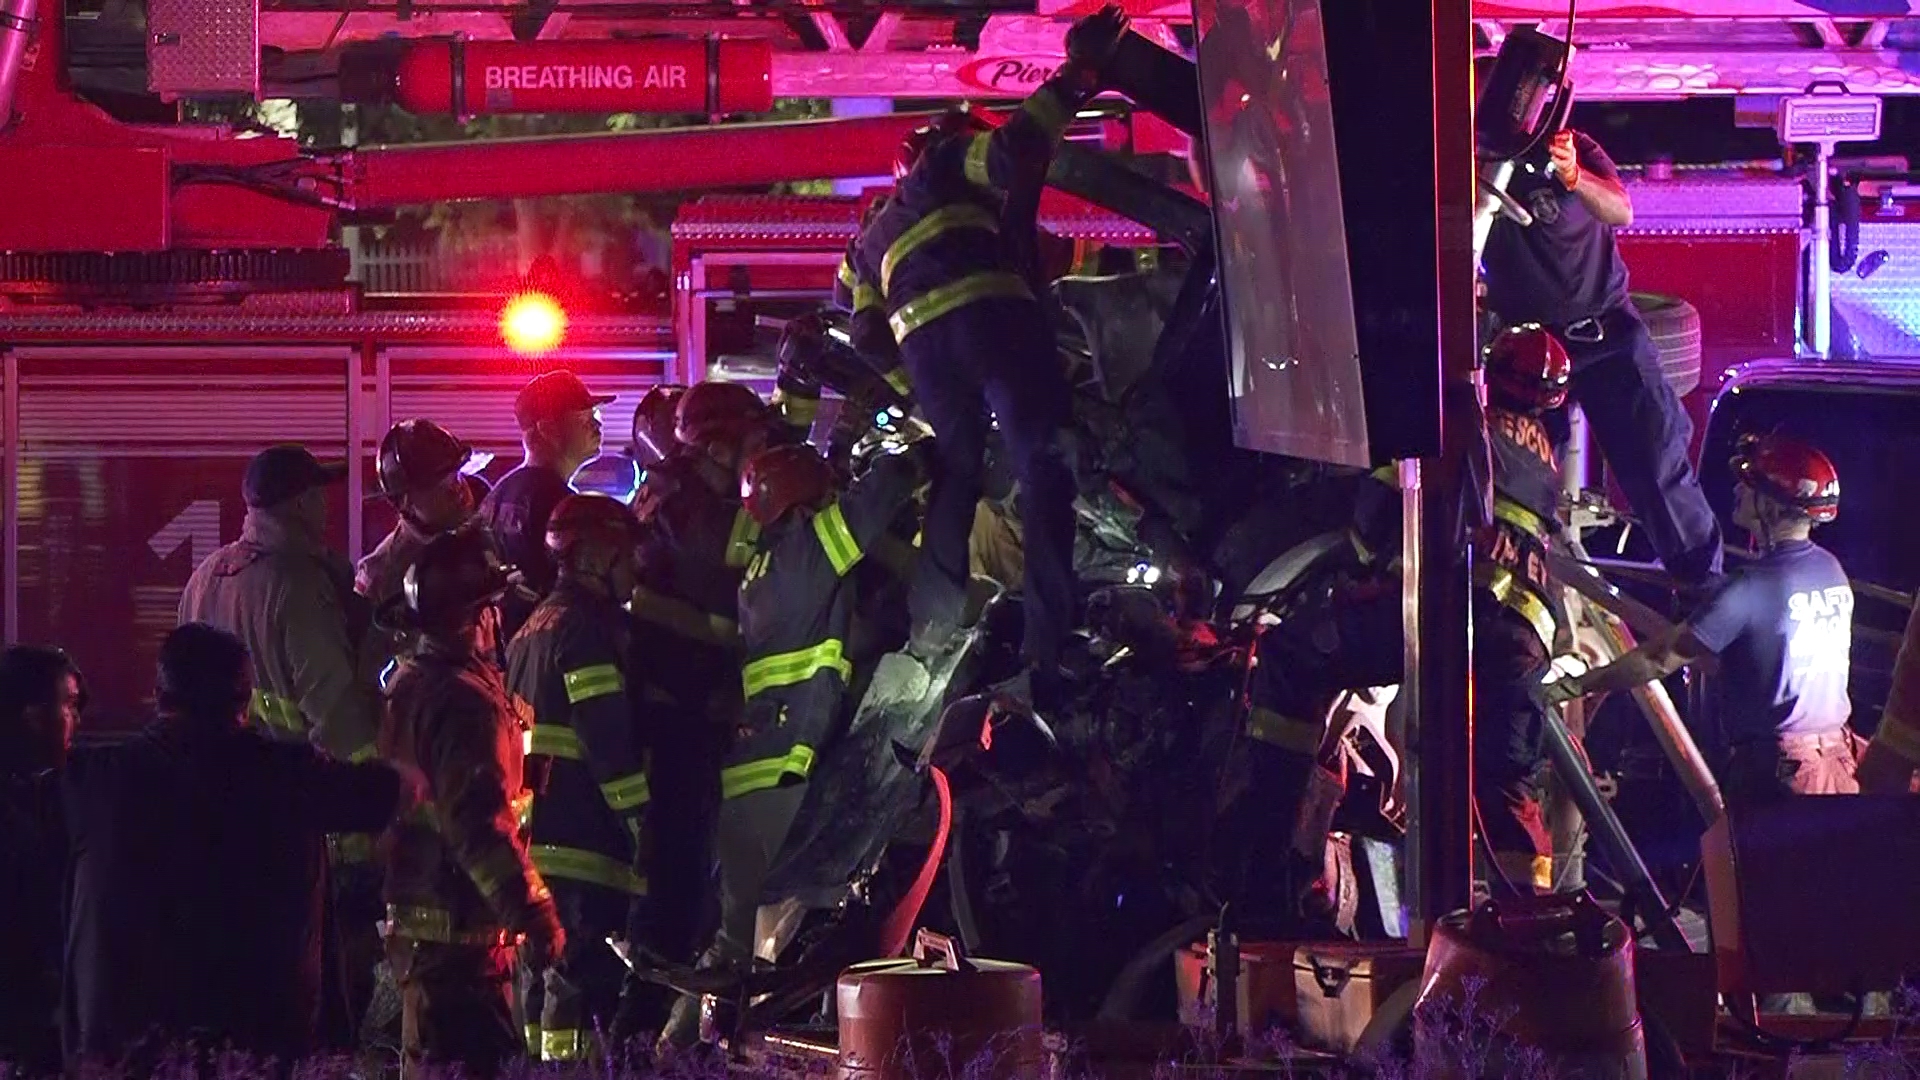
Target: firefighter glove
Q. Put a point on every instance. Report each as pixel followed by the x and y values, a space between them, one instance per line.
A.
pixel 546 941
pixel 1092 42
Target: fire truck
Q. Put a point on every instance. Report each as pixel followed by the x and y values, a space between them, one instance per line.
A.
pixel 174 296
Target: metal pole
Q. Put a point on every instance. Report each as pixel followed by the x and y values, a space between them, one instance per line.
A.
pixel 1437 588
pixel 1573 471
pixel 1820 319
pixel 17 24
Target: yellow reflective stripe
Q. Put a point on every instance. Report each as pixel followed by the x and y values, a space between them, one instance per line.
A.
pixel 557 741
pixel 1048 111
pixel 591 867
pixel 1514 595
pixel 753 776
pixel 865 297
pixel 1388 475
pixel 830 525
pixel 365 753
pixel 627 792
pixel 798 410
pixel 897 378
pixel 1285 732
pixel 789 668
pixel 683 618
pixel 493 871
pixel 533 1039
pixel 742 540
pixel 436 925
pixel 587 683
pixel 277 712
pixel 847 276
pixel 956 216
pixel 977 170
pixel 1542 872
pixel 1521 518
pixel 948 298
pixel 562 1044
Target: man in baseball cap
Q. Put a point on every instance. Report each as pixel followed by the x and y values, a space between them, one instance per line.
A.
pixel 279 473
pixel 559 422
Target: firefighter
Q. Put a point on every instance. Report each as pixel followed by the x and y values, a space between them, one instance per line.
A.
pixel 800 679
pixel 1781 628
pixel 42 696
pixel 573 662
pixel 809 359
pixel 1564 271
pixel 949 260
pixel 559 422
pixel 652 440
pixel 1889 764
pixel 199 863
pixel 420 466
pixel 290 600
pixel 461 887
pixel 1517 620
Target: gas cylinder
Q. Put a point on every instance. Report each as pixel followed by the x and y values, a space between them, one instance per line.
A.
pixel 1546 978
pixel 939 1013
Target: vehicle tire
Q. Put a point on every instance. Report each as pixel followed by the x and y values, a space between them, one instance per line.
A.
pixel 1675 327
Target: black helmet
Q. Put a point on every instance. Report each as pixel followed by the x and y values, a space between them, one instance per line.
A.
pixel 653 421
pixel 456 574
pixel 589 518
pixel 417 454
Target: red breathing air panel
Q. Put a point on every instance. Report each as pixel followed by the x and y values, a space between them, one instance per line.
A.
pixel 586 77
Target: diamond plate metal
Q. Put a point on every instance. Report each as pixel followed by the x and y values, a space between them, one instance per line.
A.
pixel 1879 315
pixel 203 47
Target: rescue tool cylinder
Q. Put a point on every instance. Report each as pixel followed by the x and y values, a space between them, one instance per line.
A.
pixel 1555 973
pixel 471 78
pixel 17 18
pixel 896 1014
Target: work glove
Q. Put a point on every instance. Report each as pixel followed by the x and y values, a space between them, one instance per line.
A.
pixel 872 337
pixel 1564 159
pixel 546 940
pixel 801 343
pixel 1093 41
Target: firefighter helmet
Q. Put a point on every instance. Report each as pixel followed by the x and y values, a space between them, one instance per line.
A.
pixel 1790 472
pixel 417 454
pixel 711 413
pixel 585 519
pixel 456 575
pixel 778 480
pixel 653 422
pixel 1528 369
pixel 951 122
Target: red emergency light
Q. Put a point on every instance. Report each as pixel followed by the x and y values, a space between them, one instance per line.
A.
pixel 533 323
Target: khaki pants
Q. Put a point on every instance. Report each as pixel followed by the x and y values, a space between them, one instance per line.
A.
pixel 1794 765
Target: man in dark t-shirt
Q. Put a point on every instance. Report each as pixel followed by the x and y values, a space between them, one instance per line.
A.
pixel 1781 627
pixel 559 422
pixel 1564 271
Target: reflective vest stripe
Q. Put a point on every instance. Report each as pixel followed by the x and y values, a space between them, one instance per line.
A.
pixel 847 276
pixel 492 871
pixel 741 541
pixel 277 712
pixel 977 168
pixel 533 1039
pixel 945 219
pixel 436 925
pixel 1388 475
pixel 1521 518
pixel 627 792
pixel 1514 595
pixel 591 867
pixel 865 298
pixel 760 775
pixel 557 741
pixel 1285 732
pixel 798 410
pixel 843 551
pixel 897 378
pixel 587 683
pixel 1048 111
pixel 683 618
pixel 951 297
pixel 789 668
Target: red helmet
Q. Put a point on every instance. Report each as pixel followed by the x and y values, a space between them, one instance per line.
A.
pixel 951 122
pixel 780 479
pixel 653 423
pixel 1528 369
pixel 1791 472
pixel 714 412
pixel 581 521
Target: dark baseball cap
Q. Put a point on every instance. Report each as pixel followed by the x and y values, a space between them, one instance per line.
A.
pixel 552 396
pixel 278 473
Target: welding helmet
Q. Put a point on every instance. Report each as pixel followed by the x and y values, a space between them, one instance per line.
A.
pixel 1790 472
pixel 783 478
pixel 653 422
pixel 456 575
pixel 951 122
pixel 582 522
pixel 417 454
pixel 1527 369
pixel 712 413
